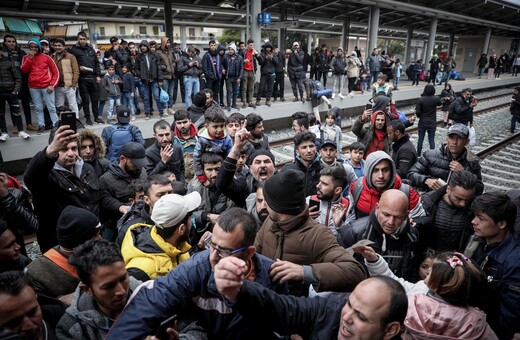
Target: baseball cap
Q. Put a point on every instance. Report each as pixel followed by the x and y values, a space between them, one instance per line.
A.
pixel 329 142
pixel 171 209
pixel 123 114
pixel 136 153
pixel 459 129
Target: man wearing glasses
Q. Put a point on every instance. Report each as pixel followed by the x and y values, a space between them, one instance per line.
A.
pixel 190 287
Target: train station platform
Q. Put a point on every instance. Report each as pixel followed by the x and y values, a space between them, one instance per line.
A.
pixel 17 152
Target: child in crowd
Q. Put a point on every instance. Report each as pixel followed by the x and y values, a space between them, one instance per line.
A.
pixel 381 86
pixel 314 127
pixel 357 151
pixel 426 265
pixel 397 70
pixel 128 91
pixel 364 76
pixel 330 131
pixel 233 123
pixel 111 84
pixel 212 138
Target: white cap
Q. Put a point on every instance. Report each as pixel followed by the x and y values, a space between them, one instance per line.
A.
pixel 233 46
pixel 295 44
pixel 171 209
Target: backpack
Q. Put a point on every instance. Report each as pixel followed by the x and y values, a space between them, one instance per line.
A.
pixel 358 188
pixel 119 137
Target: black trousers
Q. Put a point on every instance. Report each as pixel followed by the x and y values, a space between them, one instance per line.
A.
pixel 14 107
pixel 214 85
pixel 266 87
pixel 279 85
pixel 324 76
pixel 178 80
pixel 89 92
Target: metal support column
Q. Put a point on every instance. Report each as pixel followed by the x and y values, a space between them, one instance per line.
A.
pixel 282 35
pixel 182 28
pixel 450 44
pixel 310 36
pixel 345 35
pixel 487 40
pixel 431 41
pixel 168 24
pixel 243 35
pixel 248 20
pixel 91 30
pixel 374 28
pixel 408 48
pixel 256 29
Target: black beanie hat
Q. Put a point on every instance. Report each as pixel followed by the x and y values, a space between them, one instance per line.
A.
pixel 199 99
pixel 76 226
pixel 260 152
pixel 285 192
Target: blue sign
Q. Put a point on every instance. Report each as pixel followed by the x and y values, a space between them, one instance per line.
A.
pixel 264 18
pixel 95 36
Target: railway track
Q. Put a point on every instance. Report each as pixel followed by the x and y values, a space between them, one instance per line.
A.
pixel 500 162
pixel 282 148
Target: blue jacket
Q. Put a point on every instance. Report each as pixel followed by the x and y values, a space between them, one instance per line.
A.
pixel 220 146
pixel 501 263
pixel 191 288
pixel 235 66
pixel 207 66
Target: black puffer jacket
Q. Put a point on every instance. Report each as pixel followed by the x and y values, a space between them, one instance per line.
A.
pixel 295 67
pixel 312 173
pixel 447 97
pixel 436 164
pixel 460 111
pixel 141 69
pixel 267 60
pixel 426 108
pixel 10 76
pixel 404 155
pixel 515 104
pixel 53 189
pixel 156 166
pixel 86 56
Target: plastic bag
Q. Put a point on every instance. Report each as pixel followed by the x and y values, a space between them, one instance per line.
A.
pixel 164 97
pixel 472 136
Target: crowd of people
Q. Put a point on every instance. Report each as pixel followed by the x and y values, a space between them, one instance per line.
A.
pixel 199 235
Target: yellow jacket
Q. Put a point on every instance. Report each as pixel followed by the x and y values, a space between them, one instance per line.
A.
pixel 144 249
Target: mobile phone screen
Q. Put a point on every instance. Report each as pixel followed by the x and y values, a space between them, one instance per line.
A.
pixel 69 118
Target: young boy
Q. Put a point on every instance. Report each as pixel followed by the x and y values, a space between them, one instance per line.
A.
pixel 330 131
pixel 398 68
pixel 357 151
pixel 382 86
pixel 212 138
pixel 128 91
pixel 364 76
pixel 111 84
pixel 234 123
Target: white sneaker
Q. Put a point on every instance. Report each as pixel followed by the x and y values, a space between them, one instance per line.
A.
pixel 132 119
pixel 23 134
pixel 334 95
pixel 4 136
pixel 341 96
pixel 351 95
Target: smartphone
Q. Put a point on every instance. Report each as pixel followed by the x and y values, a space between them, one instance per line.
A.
pixel 161 332
pixel 69 118
pixel 314 203
pixel 368 106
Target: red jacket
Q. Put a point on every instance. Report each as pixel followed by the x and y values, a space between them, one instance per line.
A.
pixel 42 71
pixel 369 196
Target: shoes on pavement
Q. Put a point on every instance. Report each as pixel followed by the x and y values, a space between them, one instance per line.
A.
pixel 4 136
pixel 23 134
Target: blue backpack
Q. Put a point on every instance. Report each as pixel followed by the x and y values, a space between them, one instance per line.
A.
pixel 119 137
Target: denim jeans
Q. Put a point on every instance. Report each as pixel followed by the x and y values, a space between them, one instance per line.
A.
pixel 129 102
pixel 144 89
pixel 431 139
pixel 338 79
pixel 514 119
pixel 70 94
pixel 168 85
pixel 39 96
pixel 111 101
pixel 373 76
pixel 396 82
pixel 231 91
pixel 191 86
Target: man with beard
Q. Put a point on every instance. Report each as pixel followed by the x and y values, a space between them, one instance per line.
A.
pixel 151 251
pixel 257 206
pixel 214 201
pixel 257 139
pixel 185 136
pixel 116 183
pixel 403 153
pixel 163 155
pixel 333 181
pixel 132 57
pixel 261 167
pixel 10 257
pixel 89 76
pixel 370 129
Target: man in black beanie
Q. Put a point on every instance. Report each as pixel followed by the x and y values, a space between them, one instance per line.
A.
pixel 51 274
pixel 197 108
pixel 305 251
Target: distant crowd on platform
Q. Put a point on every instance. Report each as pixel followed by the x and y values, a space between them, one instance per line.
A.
pixel 199 235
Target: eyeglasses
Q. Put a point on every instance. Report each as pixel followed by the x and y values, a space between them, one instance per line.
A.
pixel 221 252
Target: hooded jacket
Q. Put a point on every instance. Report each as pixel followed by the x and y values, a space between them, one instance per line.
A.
pixel 207 143
pixel 404 155
pixel 10 76
pixel 515 103
pixel 139 212
pixel 295 65
pixel 426 108
pixel 353 66
pixel 268 66
pixel 99 163
pixel 166 61
pixel 146 64
pixel 447 97
pixel 187 147
pixel 431 318
pixel 82 320
pixel 370 195
pixel 364 130
pixel 436 164
pixel 121 56
pixel 304 241
pixel 41 69
pixel 460 111
pixel 235 65
pixel 146 252
pixel 211 71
